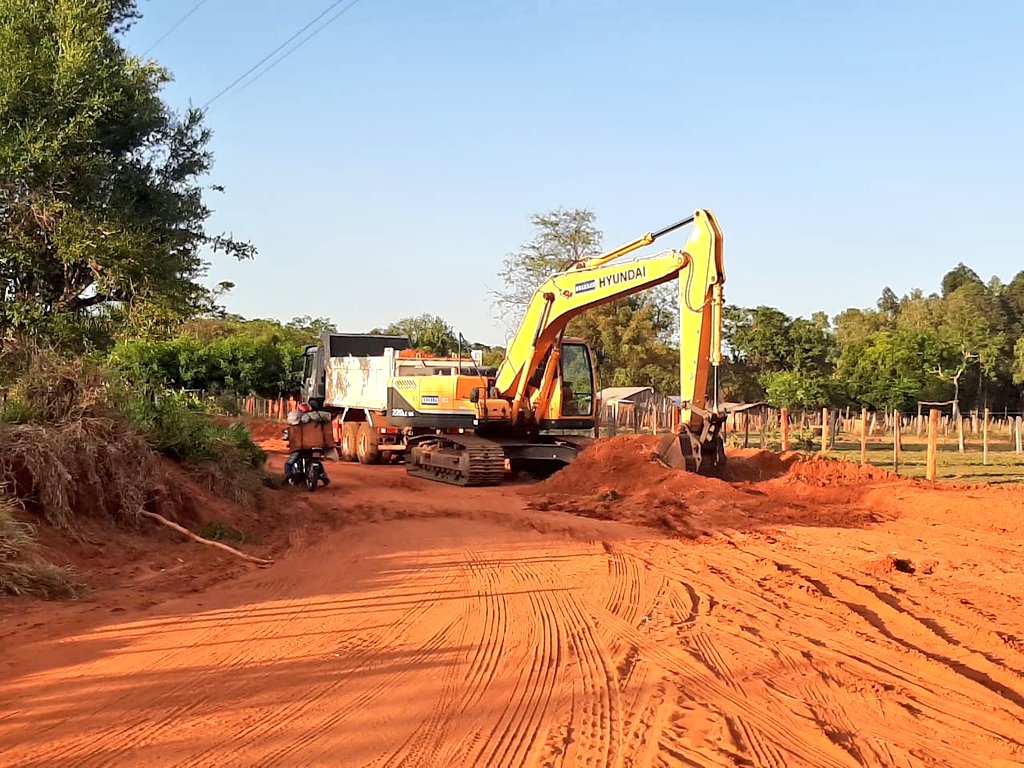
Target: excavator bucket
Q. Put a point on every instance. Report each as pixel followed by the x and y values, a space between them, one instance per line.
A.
pixel 685 452
pixel 680 451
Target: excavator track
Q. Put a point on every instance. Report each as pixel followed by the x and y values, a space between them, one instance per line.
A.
pixel 464 460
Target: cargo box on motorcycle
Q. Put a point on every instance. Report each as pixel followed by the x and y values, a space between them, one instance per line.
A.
pixel 303 437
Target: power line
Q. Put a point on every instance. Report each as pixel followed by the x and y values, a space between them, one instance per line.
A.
pixel 177 24
pixel 301 43
pixel 274 52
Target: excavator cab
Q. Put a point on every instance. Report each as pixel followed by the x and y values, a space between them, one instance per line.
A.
pixel 573 398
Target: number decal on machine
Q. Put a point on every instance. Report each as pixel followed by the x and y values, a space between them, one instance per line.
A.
pixel 402 413
pixel 429 400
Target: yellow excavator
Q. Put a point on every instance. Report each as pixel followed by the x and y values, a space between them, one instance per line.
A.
pixel 466 426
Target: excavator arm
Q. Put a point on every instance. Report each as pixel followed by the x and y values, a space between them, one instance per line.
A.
pixel 591 283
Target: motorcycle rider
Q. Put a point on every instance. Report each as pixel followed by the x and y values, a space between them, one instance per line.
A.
pixel 294 419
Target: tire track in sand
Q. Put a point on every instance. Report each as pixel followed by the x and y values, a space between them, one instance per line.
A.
pixel 763 727
pixel 310 736
pixel 141 730
pixel 362 656
pixel 424 743
pixel 530 699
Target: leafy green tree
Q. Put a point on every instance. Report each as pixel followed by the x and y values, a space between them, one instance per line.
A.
pixel 893 369
pixel 1012 299
pixel 241 365
pixel 792 389
pixel 625 338
pixel 972 326
pixel 1018 362
pixel 427 332
pixel 101 208
pixel 311 327
pixel 759 336
pixel 958 277
pixel 786 360
pixel 888 304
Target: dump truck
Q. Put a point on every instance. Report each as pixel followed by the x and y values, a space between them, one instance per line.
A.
pixel 457 423
pixel 352 375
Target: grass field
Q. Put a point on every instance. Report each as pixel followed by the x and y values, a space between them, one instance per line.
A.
pixel 1004 466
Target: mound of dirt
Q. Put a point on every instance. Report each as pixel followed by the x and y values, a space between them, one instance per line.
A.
pixel 621 479
pixel 755 465
pixel 888 565
pixel 823 471
pixel 618 464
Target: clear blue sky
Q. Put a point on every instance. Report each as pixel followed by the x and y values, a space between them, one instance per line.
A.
pixel 397 156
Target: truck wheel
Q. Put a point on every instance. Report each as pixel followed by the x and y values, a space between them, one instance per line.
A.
pixel 366 448
pixel 349 440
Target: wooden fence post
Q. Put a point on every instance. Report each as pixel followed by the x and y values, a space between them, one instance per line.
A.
pixel 1017 434
pixel 824 430
pixel 784 428
pixel 984 439
pixel 746 429
pixel 933 444
pixel 960 429
pixel 863 435
pixel 896 441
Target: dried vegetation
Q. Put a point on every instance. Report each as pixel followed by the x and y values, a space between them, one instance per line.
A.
pixel 75 443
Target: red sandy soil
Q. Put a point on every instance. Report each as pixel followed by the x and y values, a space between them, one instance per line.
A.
pixel 805 613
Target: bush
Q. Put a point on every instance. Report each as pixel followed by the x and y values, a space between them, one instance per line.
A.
pixel 85 445
pixel 179 426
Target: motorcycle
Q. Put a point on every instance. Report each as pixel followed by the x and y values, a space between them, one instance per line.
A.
pixel 306 468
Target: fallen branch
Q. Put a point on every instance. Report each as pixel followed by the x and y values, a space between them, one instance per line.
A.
pixel 186 532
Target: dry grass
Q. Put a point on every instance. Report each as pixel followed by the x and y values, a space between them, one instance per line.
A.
pixel 89 466
pixel 86 445
pixel 22 570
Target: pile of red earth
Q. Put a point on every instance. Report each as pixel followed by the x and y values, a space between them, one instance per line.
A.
pixel 621 479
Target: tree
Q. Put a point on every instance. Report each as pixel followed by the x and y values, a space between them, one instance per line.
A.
pixel 625 338
pixel 1018 362
pixel 972 324
pixel 892 368
pixel 101 210
pixel 239 364
pixel 888 304
pixel 311 327
pixel 427 332
pixel 561 238
pixel 791 389
pixel 958 277
pixel 632 337
pixel 760 336
pixel 770 341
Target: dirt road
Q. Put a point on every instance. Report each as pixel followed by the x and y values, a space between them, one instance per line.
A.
pixel 871 625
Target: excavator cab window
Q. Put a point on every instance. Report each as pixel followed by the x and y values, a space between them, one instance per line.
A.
pixel 577 380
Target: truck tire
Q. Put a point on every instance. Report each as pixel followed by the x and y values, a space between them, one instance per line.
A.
pixel 349 440
pixel 367 446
